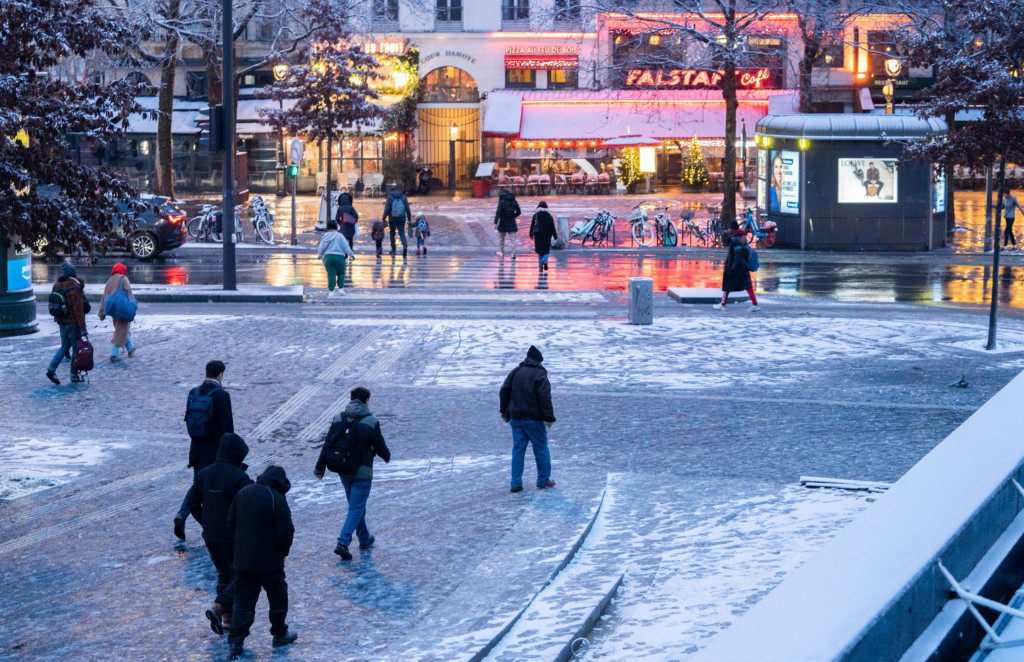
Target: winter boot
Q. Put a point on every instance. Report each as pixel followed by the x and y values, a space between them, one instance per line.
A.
pixel 342 551
pixel 213 615
pixel 179 528
pixel 288 637
pixel 235 649
pixel 368 544
pixel 52 376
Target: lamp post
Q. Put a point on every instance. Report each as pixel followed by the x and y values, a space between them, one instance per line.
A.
pixel 228 96
pixel 892 69
pixel 453 135
pixel 280 73
pixel 743 149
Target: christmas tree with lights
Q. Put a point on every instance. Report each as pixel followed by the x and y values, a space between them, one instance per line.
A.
pixel 695 171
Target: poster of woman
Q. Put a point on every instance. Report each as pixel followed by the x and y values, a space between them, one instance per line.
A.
pixel 785 182
pixel 868 180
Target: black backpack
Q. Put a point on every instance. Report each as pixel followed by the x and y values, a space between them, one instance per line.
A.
pixel 58 302
pixel 199 412
pixel 340 451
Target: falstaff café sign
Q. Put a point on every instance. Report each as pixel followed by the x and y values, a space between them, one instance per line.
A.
pixel 754 79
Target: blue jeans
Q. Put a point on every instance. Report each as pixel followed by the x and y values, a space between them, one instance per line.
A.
pixel 525 432
pixel 114 349
pixel 357 491
pixel 183 508
pixel 420 241
pixel 542 259
pixel 69 335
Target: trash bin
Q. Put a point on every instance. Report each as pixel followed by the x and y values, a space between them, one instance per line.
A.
pixel 641 301
pixel 481 188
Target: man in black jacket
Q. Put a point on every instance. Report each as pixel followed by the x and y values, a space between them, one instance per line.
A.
pixel 505 221
pixel 261 522
pixel 209 501
pixel 369 441
pixel 525 401
pixel 203 449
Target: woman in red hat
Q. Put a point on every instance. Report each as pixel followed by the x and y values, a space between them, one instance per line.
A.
pixel 122 328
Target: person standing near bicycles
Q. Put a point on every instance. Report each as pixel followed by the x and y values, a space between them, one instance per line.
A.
pixel 736 274
pixel 505 222
pixel 542 229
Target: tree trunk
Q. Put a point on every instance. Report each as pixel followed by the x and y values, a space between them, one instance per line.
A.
pixel 729 94
pixel 950 207
pixel 164 184
pixel 994 305
pixel 806 88
pixel 330 143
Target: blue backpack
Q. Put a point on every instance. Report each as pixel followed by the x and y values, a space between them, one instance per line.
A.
pixel 397 210
pixel 199 412
pixel 753 263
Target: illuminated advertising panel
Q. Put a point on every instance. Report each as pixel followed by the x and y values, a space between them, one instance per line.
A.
pixel 867 180
pixel 784 189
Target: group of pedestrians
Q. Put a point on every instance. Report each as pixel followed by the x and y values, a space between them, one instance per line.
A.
pixel 69 307
pixel 247 526
pixel 542 228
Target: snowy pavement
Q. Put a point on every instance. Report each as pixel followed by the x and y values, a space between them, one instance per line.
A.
pixel 690 434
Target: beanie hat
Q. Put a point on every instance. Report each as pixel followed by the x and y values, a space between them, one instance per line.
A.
pixel 67 269
pixel 119 269
pixel 534 353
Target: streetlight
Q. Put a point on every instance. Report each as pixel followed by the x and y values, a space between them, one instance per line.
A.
pixel 280 73
pixel 892 69
pixel 453 134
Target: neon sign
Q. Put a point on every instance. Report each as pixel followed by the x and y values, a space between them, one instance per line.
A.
pixel 384 47
pixel 542 50
pixel 756 79
pixel 543 62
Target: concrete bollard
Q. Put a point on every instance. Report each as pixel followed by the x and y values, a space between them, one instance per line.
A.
pixel 641 301
pixel 562 228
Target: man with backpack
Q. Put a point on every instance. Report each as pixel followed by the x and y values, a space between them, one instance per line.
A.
pixel 260 522
pixel 209 501
pixel 353 440
pixel 68 306
pixel 207 418
pixel 396 215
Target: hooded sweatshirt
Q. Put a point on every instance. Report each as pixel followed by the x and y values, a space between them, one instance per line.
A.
pixel 368 439
pixel 507 212
pixel 74 293
pixel 216 486
pixel 262 523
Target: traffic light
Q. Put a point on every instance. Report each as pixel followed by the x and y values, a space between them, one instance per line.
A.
pixel 293 170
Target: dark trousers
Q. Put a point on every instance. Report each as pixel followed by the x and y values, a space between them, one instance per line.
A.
pixel 398 226
pixel 223 554
pixel 1008 232
pixel 183 509
pixel 247 592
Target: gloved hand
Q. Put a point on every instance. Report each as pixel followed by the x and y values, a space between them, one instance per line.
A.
pixel 549 424
pixel 505 418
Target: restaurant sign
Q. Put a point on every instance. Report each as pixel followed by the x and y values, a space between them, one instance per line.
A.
pixel 754 79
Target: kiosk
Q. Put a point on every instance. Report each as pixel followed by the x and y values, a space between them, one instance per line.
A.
pixel 17 300
pixel 837 182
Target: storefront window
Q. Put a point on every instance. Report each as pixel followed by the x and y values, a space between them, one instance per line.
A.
pixel 449 85
pixel 520 79
pixel 831 54
pixel 560 79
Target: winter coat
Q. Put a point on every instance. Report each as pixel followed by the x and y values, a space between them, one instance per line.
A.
pixel 526 393
pixel 368 438
pixel 203 450
pixel 75 296
pixel 542 229
pixel 216 486
pixel 736 275
pixel 392 196
pixel 507 212
pixel 345 207
pixel 121 327
pixel 333 243
pixel 261 522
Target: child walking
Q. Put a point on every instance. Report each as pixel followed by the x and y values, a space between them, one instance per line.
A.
pixel 422 232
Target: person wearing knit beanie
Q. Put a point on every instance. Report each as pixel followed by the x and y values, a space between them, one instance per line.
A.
pixel 525 404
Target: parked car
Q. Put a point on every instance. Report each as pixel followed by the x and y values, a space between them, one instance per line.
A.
pixel 159 225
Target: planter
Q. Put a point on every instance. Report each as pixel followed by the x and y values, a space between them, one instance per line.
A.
pixel 481 188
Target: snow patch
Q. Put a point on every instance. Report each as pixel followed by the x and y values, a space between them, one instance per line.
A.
pixel 28 465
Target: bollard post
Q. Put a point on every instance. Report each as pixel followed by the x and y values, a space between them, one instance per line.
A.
pixel 562 228
pixel 641 301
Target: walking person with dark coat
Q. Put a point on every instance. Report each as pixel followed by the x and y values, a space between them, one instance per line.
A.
pixel 207 417
pixel 542 229
pixel 397 215
pixel 209 501
pixel 261 522
pixel 525 404
pixel 347 217
pixel 368 442
pixel 505 222
pixel 72 325
pixel 736 274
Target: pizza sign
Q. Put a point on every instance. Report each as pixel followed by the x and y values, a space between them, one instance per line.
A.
pixel 755 79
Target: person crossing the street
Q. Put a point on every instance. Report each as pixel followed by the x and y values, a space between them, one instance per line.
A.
pixel 397 214
pixel 505 222
pixel 1010 207
pixel 525 404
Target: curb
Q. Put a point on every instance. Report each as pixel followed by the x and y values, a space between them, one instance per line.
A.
pixel 171 294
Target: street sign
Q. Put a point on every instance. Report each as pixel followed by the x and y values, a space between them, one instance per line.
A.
pixel 296 150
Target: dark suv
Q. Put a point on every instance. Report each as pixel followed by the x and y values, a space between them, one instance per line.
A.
pixel 159 226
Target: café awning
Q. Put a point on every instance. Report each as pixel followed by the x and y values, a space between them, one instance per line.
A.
pixel 503 114
pixel 607 114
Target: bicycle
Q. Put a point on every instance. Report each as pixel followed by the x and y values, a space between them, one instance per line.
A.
pixel 666 231
pixel 714 229
pixel 756 232
pixel 262 220
pixel 603 225
pixel 692 231
pixel 201 227
pixel 583 230
pixel 640 230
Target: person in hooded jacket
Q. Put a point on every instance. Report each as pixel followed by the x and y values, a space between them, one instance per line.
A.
pixel 525 404
pixel 261 523
pixel 209 501
pixel 122 328
pixel 370 442
pixel 505 221
pixel 542 229
pixel 736 273
pixel 333 250
pixel 72 327
pixel 347 217
pixel 202 451
pixel 397 214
